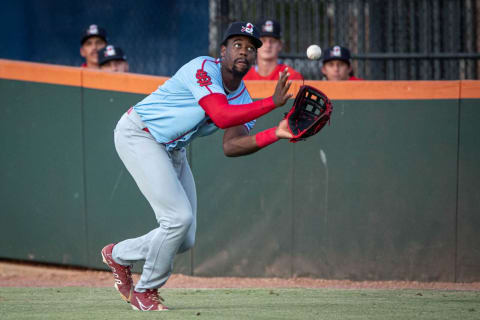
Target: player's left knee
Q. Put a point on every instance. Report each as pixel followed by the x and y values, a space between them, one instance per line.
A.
pixel 184 220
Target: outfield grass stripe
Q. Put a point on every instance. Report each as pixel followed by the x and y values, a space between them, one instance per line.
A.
pixel 226 304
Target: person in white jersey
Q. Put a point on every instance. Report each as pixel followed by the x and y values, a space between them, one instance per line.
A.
pixel 204 95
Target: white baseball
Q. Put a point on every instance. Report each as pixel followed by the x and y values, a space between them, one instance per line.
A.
pixel 314 52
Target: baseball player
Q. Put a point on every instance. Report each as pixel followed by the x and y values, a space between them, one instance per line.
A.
pixel 150 138
pixel 268 67
pixel 93 39
pixel 337 65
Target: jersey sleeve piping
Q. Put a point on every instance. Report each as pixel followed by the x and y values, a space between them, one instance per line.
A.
pixel 203 65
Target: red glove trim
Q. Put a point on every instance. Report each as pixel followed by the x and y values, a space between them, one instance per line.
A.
pixel 226 115
pixel 266 137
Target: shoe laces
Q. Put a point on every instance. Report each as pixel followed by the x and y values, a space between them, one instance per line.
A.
pixel 127 271
pixel 129 275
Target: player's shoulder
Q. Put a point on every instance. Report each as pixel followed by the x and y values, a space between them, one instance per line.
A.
pixel 201 64
pixel 252 74
pixel 355 78
pixel 294 74
pixel 204 61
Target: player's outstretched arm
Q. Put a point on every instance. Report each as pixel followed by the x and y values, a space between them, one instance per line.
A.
pixel 224 115
pixel 237 142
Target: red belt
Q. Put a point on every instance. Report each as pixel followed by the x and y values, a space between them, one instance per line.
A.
pixel 144 129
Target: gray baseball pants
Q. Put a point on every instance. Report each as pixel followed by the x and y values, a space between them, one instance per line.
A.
pixel 166 181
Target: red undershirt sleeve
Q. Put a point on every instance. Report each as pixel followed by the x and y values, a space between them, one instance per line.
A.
pixel 225 115
pixel 266 137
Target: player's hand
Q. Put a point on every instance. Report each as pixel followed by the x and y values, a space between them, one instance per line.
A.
pixel 281 95
pixel 282 131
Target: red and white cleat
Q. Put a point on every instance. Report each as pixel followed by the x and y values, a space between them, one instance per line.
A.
pixel 147 301
pixel 121 274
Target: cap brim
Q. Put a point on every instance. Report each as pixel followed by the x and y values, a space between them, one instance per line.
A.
pixel 269 34
pixel 256 42
pixel 336 58
pixel 102 62
pixel 92 35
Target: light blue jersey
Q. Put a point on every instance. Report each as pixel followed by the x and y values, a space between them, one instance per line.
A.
pixel 172 113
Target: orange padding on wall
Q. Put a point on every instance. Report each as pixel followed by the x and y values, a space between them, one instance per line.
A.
pixel 145 84
pixel 370 90
pixel 79 77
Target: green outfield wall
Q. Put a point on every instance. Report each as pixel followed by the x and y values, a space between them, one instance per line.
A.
pixel 390 190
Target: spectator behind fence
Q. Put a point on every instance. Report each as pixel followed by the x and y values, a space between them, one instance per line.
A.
pixel 93 39
pixel 267 66
pixel 337 65
pixel 112 59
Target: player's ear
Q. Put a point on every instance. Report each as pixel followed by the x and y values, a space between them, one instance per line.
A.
pixel 82 52
pixel 223 50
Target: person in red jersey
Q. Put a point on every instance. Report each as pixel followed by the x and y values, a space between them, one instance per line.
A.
pixel 267 67
pixel 337 65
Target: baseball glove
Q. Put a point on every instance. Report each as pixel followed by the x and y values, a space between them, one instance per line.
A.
pixel 310 112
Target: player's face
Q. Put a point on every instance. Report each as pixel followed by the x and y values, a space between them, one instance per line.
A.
pixel 239 55
pixel 89 49
pixel 115 66
pixel 270 49
pixel 336 70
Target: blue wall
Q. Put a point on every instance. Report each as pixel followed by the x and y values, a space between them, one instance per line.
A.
pixel 158 36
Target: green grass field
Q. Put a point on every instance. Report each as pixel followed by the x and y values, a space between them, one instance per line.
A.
pixel 105 303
